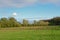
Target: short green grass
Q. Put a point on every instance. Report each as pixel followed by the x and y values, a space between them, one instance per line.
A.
pixel 30 35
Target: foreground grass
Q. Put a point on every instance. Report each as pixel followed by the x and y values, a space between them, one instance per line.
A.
pixel 29 34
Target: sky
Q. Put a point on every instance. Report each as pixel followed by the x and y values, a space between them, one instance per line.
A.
pixel 30 9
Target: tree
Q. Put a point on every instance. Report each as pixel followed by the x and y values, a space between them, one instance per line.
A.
pixel 43 23
pixel 4 22
pixel 25 22
pixel 13 22
pixel 35 23
pixel 55 21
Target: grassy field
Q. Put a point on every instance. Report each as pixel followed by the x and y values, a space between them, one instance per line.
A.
pixel 10 34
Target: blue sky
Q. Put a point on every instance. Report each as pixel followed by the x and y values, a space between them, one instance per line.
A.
pixel 36 9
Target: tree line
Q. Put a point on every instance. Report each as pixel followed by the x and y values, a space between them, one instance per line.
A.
pixel 12 22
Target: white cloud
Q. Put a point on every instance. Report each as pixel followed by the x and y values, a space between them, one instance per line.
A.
pixel 14 14
pixel 23 3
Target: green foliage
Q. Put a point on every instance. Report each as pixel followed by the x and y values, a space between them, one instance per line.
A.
pixel 4 22
pixel 11 22
pixel 25 22
pixel 40 23
pixel 55 21
pixel 43 23
pixel 35 23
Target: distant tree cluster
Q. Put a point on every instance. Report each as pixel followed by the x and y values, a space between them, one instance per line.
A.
pixel 12 22
pixel 55 21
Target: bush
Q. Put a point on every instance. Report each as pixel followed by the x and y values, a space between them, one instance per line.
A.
pixel 42 23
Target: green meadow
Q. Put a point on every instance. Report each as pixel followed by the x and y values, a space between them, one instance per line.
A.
pixel 26 34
